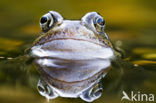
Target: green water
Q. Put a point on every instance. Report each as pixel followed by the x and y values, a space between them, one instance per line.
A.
pixel 130 24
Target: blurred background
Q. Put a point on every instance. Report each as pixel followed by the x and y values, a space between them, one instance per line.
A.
pixel 130 24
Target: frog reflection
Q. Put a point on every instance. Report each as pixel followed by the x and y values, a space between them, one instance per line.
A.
pixel 72 56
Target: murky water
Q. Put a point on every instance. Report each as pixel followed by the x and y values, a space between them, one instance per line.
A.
pixel 130 25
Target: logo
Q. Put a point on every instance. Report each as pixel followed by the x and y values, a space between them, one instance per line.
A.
pixel 137 96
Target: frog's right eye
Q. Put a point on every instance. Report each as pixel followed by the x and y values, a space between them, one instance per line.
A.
pixel 49 20
pixel 46 22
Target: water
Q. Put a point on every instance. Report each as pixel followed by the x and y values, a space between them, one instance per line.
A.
pixel 130 25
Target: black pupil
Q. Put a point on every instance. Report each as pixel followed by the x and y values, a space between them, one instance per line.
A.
pixel 43 20
pixel 100 21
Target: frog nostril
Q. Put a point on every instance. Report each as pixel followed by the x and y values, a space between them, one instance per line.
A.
pixel 43 20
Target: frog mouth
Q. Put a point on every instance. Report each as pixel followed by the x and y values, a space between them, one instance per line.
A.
pixel 72 49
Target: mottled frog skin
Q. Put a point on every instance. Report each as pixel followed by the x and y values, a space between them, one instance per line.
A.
pixel 72 56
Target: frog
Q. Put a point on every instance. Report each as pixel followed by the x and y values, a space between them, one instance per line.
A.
pixel 72 56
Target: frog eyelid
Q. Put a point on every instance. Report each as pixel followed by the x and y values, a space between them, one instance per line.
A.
pixel 57 17
pixel 51 21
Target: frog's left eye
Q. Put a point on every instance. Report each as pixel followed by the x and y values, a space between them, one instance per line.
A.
pixel 99 22
pixel 49 20
pixel 94 22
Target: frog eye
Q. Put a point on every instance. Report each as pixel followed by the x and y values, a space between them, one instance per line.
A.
pixel 43 20
pixel 94 21
pixel 50 20
pixel 46 22
pixel 41 89
pixel 100 22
